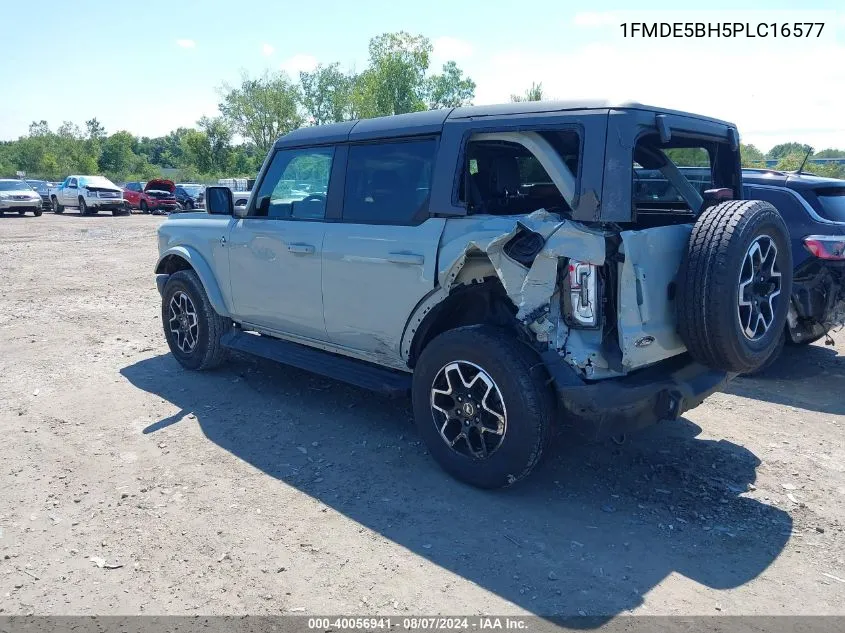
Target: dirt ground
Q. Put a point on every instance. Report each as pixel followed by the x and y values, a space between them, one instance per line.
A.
pixel 129 485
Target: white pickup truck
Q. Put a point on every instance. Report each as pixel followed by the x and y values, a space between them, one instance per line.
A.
pixel 89 194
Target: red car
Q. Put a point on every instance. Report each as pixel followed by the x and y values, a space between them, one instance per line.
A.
pixel 155 196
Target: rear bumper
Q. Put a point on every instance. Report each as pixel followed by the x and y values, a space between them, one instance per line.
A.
pixel 664 391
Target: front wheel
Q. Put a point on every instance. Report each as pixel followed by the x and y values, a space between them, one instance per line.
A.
pixel 191 326
pixel 482 405
pixel 83 207
pixel 144 207
pixel 57 208
pixel 37 213
pixel 21 212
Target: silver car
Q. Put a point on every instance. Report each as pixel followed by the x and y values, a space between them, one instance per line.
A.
pixel 16 195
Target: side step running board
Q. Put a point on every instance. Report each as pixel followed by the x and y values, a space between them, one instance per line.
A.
pixel 355 372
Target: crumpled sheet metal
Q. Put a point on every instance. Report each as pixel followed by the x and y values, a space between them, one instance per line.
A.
pixel 528 288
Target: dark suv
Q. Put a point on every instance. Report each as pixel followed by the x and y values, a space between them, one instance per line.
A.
pixel 814 211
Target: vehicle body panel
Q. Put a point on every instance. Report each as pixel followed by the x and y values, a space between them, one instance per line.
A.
pixel 365 264
pixel 646 318
pixel 200 240
pixel 277 265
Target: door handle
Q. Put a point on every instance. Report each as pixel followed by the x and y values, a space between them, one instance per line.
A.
pixel 222 240
pixel 305 249
pixel 406 258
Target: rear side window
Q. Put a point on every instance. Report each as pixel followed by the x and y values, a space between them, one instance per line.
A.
pixel 832 201
pixel 654 190
pixel 389 183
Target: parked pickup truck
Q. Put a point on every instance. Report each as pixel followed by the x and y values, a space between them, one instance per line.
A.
pixel 89 194
pixel 494 263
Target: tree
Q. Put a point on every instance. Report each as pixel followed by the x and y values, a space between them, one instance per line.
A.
pixel 395 80
pixel 219 135
pixel 95 129
pixel 327 94
pixel 262 109
pixel 534 93
pixel 117 156
pixel 196 151
pixel 830 153
pixel 751 156
pixel 785 149
pixel 450 89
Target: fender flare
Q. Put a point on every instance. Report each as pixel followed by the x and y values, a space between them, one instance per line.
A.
pixel 200 266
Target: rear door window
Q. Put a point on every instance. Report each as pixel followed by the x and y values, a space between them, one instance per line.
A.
pixel 832 202
pixel 389 183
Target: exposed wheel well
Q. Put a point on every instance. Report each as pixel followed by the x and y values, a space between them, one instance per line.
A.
pixel 468 304
pixel 172 264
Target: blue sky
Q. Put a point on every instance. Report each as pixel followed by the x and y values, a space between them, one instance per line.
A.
pixel 150 67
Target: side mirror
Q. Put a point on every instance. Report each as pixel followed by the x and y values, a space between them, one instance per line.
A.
pixel 218 201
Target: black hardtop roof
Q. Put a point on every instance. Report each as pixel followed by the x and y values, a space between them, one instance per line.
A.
pixel 431 121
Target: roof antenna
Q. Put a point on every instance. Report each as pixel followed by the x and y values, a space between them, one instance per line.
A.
pixel 804 162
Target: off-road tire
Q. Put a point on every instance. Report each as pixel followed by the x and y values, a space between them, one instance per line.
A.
pixel 57 208
pixel 208 353
pixel 528 400
pixel 771 360
pixel 708 285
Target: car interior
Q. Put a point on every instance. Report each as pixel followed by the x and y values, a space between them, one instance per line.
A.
pixel 506 178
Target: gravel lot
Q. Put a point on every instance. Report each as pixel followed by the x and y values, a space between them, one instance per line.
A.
pixel 261 489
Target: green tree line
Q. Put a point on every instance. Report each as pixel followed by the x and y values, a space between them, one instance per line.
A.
pixel 397 79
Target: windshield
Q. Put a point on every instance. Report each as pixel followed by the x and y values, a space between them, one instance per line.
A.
pixel 832 201
pixel 14 185
pixel 192 190
pixel 96 181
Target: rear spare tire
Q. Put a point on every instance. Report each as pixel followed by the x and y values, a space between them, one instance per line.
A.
pixel 483 405
pixel 734 285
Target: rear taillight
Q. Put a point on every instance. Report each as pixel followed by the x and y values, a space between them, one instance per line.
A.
pixel 582 301
pixel 830 247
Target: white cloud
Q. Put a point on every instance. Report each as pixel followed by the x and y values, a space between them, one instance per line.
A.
pixel 186 43
pixel 700 78
pixel 450 48
pixel 595 18
pixel 267 50
pixel 298 63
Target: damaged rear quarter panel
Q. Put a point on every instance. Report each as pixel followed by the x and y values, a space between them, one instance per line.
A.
pixel 652 259
pixel 485 236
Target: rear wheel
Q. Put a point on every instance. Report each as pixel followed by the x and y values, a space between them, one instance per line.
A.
pixel 734 285
pixel 482 405
pixel 191 326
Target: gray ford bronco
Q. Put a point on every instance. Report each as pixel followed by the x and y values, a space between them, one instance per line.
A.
pixel 497 263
